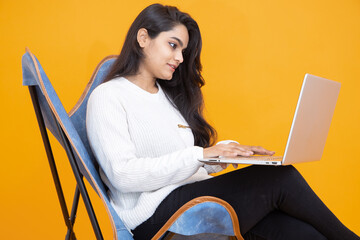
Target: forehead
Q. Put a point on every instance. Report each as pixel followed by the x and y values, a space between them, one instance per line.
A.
pixel 179 31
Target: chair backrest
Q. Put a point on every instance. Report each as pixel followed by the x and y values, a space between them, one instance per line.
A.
pixel 78 113
pixel 74 128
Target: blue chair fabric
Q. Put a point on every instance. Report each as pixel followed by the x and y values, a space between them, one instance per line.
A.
pixel 50 104
pixel 208 214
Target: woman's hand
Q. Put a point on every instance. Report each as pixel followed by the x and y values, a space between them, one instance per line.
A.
pixel 234 150
pixel 257 150
pixel 227 150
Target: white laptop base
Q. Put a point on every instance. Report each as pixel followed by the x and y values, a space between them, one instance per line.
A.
pixel 309 129
pixel 258 160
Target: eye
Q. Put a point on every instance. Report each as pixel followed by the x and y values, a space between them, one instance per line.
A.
pixel 173 45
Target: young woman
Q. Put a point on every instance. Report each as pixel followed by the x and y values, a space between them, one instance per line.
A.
pixel 146 128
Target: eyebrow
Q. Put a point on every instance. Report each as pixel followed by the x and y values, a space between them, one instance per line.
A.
pixel 177 39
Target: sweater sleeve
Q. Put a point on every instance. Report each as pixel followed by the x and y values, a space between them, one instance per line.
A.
pixel 109 138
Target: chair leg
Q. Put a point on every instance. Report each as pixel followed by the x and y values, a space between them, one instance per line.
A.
pixel 80 183
pixel 70 235
pixel 50 157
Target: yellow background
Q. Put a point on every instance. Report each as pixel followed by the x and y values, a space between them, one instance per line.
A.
pixel 255 55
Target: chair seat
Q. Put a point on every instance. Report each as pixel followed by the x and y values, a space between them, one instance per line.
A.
pixel 207 217
pixel 204 214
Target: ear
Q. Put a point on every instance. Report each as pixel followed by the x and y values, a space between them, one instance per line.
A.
pixel 142 37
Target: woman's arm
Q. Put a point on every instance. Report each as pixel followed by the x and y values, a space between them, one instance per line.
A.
pixel 109 137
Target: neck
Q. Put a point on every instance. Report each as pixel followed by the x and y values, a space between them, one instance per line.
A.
pixel 144 81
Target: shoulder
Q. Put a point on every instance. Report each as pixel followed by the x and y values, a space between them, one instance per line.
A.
pixel 108 90
pixel 113 86
pixel 107 94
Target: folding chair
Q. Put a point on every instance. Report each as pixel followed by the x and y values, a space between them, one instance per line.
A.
pixel 208 214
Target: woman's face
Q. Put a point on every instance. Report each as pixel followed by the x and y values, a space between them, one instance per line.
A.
pixel 164 53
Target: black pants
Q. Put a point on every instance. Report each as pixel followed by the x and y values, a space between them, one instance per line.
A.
pixel 270 202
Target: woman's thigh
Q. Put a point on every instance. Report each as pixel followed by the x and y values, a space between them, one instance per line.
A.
pixel 251 191
pixel 280 226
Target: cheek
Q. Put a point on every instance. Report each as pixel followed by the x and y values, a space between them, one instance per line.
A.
pixel 157 58
pixel 163 51
pixel 161 57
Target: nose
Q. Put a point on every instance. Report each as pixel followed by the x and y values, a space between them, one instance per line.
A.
pixel 179 56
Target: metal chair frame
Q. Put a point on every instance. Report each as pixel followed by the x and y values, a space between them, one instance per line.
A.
pixel 80 185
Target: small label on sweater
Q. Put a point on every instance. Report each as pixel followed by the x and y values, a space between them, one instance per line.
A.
pixel 182 126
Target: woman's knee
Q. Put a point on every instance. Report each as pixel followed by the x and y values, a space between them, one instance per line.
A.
pixel 280 226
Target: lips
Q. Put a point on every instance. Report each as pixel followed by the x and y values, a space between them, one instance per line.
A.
pixel 173 67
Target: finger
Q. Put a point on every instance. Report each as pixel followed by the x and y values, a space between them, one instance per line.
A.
pixel 234 147
pixel 235 153
pixel 271 153
pixel 235 165
pixel 262 151
pixel 242 151
pixel 226 150
pixel 242 147
pixel 223 165
pixel 247 147
pixel 245 153
pixel 249 150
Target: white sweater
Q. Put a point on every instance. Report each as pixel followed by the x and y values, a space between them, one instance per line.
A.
pixel 142 152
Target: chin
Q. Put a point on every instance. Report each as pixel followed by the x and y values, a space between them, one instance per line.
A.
pixel 167 77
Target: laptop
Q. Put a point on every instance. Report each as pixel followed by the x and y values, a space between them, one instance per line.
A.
pixel 309 128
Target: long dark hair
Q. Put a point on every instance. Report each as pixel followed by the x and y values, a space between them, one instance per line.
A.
pixel 183 90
